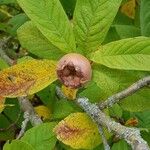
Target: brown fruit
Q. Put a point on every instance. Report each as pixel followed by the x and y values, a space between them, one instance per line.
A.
pixel 74 70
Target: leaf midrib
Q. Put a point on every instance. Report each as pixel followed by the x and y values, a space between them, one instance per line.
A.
pixel 91 23
pixel 37 23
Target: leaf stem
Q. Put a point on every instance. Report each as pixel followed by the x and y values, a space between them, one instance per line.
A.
pixel 3 47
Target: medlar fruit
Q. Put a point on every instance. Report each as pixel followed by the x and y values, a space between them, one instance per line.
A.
pixel 74 70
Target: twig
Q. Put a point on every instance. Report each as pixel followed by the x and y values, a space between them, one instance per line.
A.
pixel 3 46
pixel 29 115
pixel 125 93
pixel 101 131
pixel 24 125
pixel 131 135
pixel 27 107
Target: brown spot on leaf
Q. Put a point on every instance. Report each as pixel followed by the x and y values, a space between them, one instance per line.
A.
pixel 78 131
pixel 13 83
pixel 67 132
pixel 27 78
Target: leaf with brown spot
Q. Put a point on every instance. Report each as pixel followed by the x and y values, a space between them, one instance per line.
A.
pixel 129 8
pixel 132 122
pixel 27 77
pixel 78 131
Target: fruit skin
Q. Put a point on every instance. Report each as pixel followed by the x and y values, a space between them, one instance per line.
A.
pixel 74 70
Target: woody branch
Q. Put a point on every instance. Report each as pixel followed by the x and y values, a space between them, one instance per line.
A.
pixel 131 135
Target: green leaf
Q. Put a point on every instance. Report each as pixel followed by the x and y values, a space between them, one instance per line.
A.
pixel 112 81
pixel 34 41
pixel 50 18
pixel 122 19
pixel 127 31
pixel 5 2
pixel 17 145
pixel 48 96
pixel 3 27
pixel 145 17
pixel 143 119
pixel 15 22
pixel 115 111
pixel 137 102
pixel 6 134
pixel 127 54
pixel 3 64
pixel 92 20
pixel 112 35
pixel 146 136
pixel 41 137
pixel 63 108
pixel 24 59
pixel 137 16
pixel 13 112
pixel 121 145
pixel 89 90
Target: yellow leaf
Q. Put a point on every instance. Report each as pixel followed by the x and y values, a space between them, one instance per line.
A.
pixel 43 112
pixel 78 131
pixel 27 78
pixel 129 8
pixel 69 92
pixel 2 103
